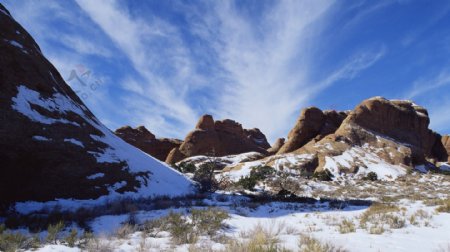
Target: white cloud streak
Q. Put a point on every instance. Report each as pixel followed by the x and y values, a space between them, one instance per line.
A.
pixel 423 86
pixel 261 69
pixel 154 47
pixel 269 73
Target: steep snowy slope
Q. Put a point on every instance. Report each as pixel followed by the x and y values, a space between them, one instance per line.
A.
pixel 52 146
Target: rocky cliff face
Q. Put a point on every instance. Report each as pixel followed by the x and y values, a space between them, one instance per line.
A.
pixel 219 138
pixel 446 143
pixel 378 131
pixel 144 140
pixel 276 146
pixel 51 145
pixel 387 137
pixel 313 124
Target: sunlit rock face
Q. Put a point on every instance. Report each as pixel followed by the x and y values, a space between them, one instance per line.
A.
pixel 219 138
pixel 144 140
pixel 387 137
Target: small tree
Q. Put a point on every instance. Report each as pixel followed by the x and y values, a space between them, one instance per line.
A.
pixel 372 176
pixel 205 174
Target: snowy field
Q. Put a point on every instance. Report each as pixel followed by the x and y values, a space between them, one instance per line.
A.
pixel 408 214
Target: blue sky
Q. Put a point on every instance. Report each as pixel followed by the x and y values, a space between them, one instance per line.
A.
pixel 162 64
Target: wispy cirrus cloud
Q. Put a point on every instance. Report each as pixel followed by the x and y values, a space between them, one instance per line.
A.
pixel 156 51
pixel 268 62
pixel 255 63
pixel 423 85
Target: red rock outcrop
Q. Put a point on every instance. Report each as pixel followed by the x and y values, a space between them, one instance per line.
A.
pixel 144 140
pixel 402 121
pixel 51 145
pixel 313 124
pixel 276 146
pixel 218 138
pixel 446 143
pixel 395 132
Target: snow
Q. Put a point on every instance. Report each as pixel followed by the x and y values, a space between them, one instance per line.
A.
pixel 16 44
pixel 162 179
pixel 40 138
pixel 445 167
pixel 74 141
pixel 366 161
pixel 96 175
pixel 288 221
pixel 25 97
pixel 4 12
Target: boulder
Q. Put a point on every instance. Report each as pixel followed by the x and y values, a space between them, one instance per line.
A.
pixel 313 124
pixel 226 137
pixel 276 146
pixel 257 137
pixel 446 143
pixel 144 140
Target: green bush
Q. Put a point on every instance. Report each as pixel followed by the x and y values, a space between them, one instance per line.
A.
pixel 372 176
pixel 204 175
pixel 247 182
pixel 185 167
pixel 324 175
pixel 262 172
pixel 256 174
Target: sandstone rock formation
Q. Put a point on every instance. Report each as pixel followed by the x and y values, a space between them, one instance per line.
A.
pixel 446 143
pixel 144 140
pixel 276 146
pixel 218 138
pixel 394 132
pixel 313 123
pixel 51 145
pixel 387 137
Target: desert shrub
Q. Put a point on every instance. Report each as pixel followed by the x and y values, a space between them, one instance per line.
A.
pixel 377 216
pixel 247 182
pixel 185 167
pixel 376 229
pixel 310 244
pixel 204 175
pixel 394 221
pixel 14 241
pixel 72 237
pixel 124 231
pixel 99 245
pixel 375 212
pixel 324 175
pixel 180 229
pixel 372 176
pixel 346 226
pixel 54 232
pixel 262 172
pixel 256 174
pixel 208 221
pixel 444 206
pixel 257 239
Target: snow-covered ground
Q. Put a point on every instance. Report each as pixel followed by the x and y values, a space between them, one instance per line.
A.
pixel 398 215
pixel 287 222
